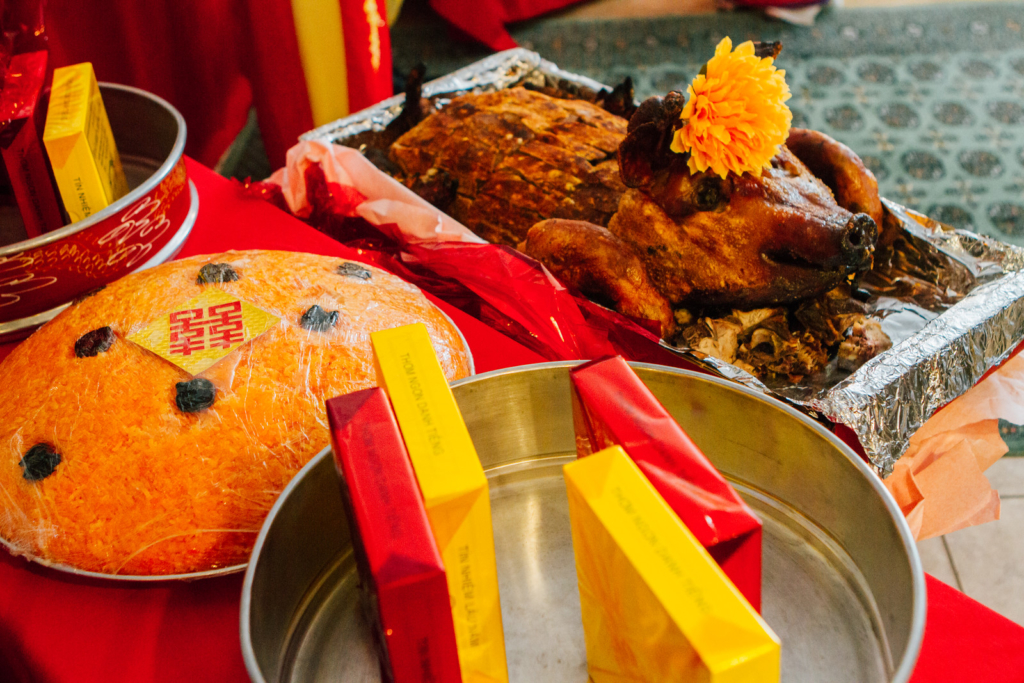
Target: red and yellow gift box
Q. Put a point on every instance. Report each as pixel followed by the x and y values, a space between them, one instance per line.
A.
pixel 655 605
pixel 404 589
pixel 455 494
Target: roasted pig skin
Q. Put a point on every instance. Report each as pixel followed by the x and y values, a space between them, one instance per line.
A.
pixel 519 157
pixel 514 158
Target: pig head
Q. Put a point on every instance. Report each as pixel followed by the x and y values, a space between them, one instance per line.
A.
pixel 739 241
pixel 733 241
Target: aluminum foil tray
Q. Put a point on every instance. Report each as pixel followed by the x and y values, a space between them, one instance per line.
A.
pixel 942 344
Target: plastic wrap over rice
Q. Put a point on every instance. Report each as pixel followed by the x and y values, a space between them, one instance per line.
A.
pixel 148 429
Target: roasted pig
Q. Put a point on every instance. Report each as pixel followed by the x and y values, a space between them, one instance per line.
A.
pixel 617 215
pixel 507 160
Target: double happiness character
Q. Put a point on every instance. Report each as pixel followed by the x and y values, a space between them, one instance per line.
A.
pixel 191 331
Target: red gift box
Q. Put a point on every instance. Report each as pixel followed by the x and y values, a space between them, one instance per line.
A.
pixel 611 406
pixel 22 116
pixel 403 581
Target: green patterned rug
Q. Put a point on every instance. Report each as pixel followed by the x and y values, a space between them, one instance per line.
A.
pixel 931 98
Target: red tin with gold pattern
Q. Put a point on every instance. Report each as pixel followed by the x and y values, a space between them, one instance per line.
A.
pixel 148 226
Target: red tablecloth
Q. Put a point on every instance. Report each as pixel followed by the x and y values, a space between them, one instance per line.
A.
pixel 56 628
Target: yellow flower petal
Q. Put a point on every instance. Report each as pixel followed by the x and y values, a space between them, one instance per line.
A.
pixel 745 49
pixel 736 116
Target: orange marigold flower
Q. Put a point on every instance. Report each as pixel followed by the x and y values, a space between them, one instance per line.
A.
pixel 736 115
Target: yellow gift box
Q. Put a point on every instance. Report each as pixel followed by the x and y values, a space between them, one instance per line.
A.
pixel 455 494
pixel 655 606
pixel 80 144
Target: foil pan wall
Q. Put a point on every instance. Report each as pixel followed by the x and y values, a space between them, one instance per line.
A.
pixel 951 301
pixel 499 71
pixel 942 344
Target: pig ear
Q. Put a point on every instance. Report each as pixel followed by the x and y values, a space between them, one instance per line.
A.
pixel 649 111
pixel 647 147
pixel 762 49
pixel 663 111
pixel 636 154
pixel 620 100
pixel 412 110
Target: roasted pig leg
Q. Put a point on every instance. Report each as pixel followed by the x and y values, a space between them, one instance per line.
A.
pixel 599 266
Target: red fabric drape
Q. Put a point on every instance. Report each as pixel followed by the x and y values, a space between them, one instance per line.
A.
pixel 55 627
pixel 965 641
pixel 275 70
pixel 189 52
pixel 213 59
pixel 368 82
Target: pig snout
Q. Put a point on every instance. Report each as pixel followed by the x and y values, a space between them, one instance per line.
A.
pixel 826 242
pixel 858 241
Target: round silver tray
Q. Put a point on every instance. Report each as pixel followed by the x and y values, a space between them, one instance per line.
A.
pixel 843 585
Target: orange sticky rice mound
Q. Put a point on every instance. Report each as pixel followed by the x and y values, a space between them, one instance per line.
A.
pixel 145 488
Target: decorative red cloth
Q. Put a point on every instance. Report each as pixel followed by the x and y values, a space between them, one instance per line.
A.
pixel 966 642
pixel 214 59
pixel 368 83
pixel 55 627
pixel 190 52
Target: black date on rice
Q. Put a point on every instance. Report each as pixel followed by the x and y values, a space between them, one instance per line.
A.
pixel 355 270
pixel 195 395
pixel 213 273
pixel 94 343
pixel 317 319
pixel 40 462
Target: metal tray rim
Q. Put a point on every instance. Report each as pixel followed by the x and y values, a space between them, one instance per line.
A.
pixel 907 662
pixel 167 253
pixel 248 653
pixel 177 150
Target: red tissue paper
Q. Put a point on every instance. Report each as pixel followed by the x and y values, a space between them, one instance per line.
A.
pixel 341 193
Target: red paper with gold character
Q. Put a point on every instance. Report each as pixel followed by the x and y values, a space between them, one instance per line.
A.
pixel 611 406
pixel 404 586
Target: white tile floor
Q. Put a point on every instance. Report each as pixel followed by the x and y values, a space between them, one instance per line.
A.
pixel 987 562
